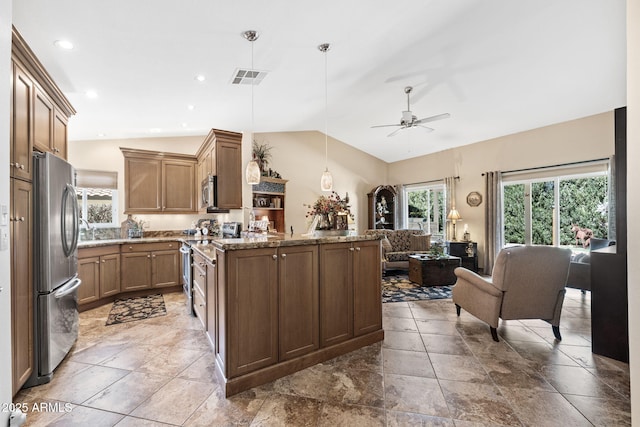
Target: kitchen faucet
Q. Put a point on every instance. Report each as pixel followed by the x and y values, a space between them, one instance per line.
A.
pixel 90 227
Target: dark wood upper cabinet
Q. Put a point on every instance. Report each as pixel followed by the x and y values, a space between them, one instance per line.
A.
pixel 159 182
pixel 221 155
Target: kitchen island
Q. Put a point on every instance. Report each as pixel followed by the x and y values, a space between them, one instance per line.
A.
pixel 276 305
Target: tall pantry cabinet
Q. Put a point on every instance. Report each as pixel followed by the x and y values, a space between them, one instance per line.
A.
pixel 38 121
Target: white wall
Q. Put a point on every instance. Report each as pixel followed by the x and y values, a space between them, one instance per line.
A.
pixel 583 139
pixel 297 156
pixel 300 158
pixel 5 276
pixel 106 155
pixel 633 199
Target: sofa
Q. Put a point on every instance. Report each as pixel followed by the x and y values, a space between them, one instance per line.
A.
pixel 580 267
pixel 397 245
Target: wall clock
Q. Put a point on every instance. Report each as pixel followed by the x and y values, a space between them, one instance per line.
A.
pixel 474 199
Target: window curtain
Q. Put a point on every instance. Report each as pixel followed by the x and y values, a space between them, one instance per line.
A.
pixel 492 219
pixel 401 207
pixel 450 202
pixel 612 198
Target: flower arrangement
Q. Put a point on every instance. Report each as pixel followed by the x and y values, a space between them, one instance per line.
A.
pixel 327 208
pixel 331 204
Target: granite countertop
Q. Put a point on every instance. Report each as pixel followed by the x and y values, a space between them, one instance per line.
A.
pixel 107 242
pixel 284 239
pixel 207 247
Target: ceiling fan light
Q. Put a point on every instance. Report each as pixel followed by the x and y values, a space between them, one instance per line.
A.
pixel 326 181
pixel 252 173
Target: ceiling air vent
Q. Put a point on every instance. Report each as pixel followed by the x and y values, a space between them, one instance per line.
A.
pixel 247 77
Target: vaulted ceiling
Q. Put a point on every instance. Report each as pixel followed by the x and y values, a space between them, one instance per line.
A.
pixel 498 67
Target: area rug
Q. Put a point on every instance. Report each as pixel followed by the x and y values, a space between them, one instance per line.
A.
pixel 139 308
pixel 398 288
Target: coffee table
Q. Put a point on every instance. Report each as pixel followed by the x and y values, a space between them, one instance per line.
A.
pixel 427 270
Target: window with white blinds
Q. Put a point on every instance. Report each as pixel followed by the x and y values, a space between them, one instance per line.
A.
pixel 98 197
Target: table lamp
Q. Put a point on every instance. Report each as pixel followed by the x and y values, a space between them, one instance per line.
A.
pixel 454 215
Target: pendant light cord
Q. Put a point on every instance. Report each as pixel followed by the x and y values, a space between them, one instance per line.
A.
pixel 252 83
pixel 326 115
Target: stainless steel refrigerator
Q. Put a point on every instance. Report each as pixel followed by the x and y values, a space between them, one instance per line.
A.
pixel 56 282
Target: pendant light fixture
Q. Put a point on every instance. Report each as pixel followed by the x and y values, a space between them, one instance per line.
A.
pixel 252 173
pixel 326 181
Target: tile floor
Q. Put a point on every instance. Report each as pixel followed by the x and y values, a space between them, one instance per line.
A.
pixel 433 369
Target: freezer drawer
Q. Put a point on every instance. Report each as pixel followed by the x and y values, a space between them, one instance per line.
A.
pixel 57 325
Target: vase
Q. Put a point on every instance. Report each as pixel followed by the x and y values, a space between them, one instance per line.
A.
pixel 325 222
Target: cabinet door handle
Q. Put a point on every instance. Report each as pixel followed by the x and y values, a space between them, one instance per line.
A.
pixel 274 256
pixel 170 245
pixel 104 261
pixel 21 219
pixel 153 256
pixel 148 256
pixel 358 248
pixel 98 262
pixel 20 166
pixel 283 255
pixel 351 249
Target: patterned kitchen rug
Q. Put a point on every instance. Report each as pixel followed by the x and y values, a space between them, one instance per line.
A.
pixel 398 288
pixel 138 308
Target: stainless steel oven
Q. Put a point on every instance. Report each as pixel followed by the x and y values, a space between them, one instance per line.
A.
pixel 187 271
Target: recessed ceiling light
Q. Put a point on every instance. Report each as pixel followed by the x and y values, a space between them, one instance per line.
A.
pixel 63 44
pixel 200 78
pixel 191 107
pixel 184 125
pixel 155 130
pixel 101 135
pixel 91 94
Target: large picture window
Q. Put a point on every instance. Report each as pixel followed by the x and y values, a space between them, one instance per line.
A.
pixel 550 210
pixel 425 209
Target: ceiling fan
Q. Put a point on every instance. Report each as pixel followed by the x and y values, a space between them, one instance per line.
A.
pixel 408 120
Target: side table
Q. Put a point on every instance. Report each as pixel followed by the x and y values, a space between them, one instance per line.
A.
pixel 427 270
pixel 459 249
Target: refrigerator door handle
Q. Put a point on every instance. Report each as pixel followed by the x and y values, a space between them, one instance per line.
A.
pixel 69 195
pixel 68 288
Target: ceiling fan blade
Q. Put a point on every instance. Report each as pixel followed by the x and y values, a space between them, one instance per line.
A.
pixel 426 129
pixel 384 126
pixel 396 131
pixel 432 118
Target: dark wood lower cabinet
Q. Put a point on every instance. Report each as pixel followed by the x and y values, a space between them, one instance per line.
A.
pixel 367 292
pixel 336 293
pixel 252 310
pixel 298 301
pixel 133 268
pixel 280 310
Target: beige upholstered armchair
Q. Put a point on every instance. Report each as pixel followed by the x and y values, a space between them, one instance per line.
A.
pixel 527 283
